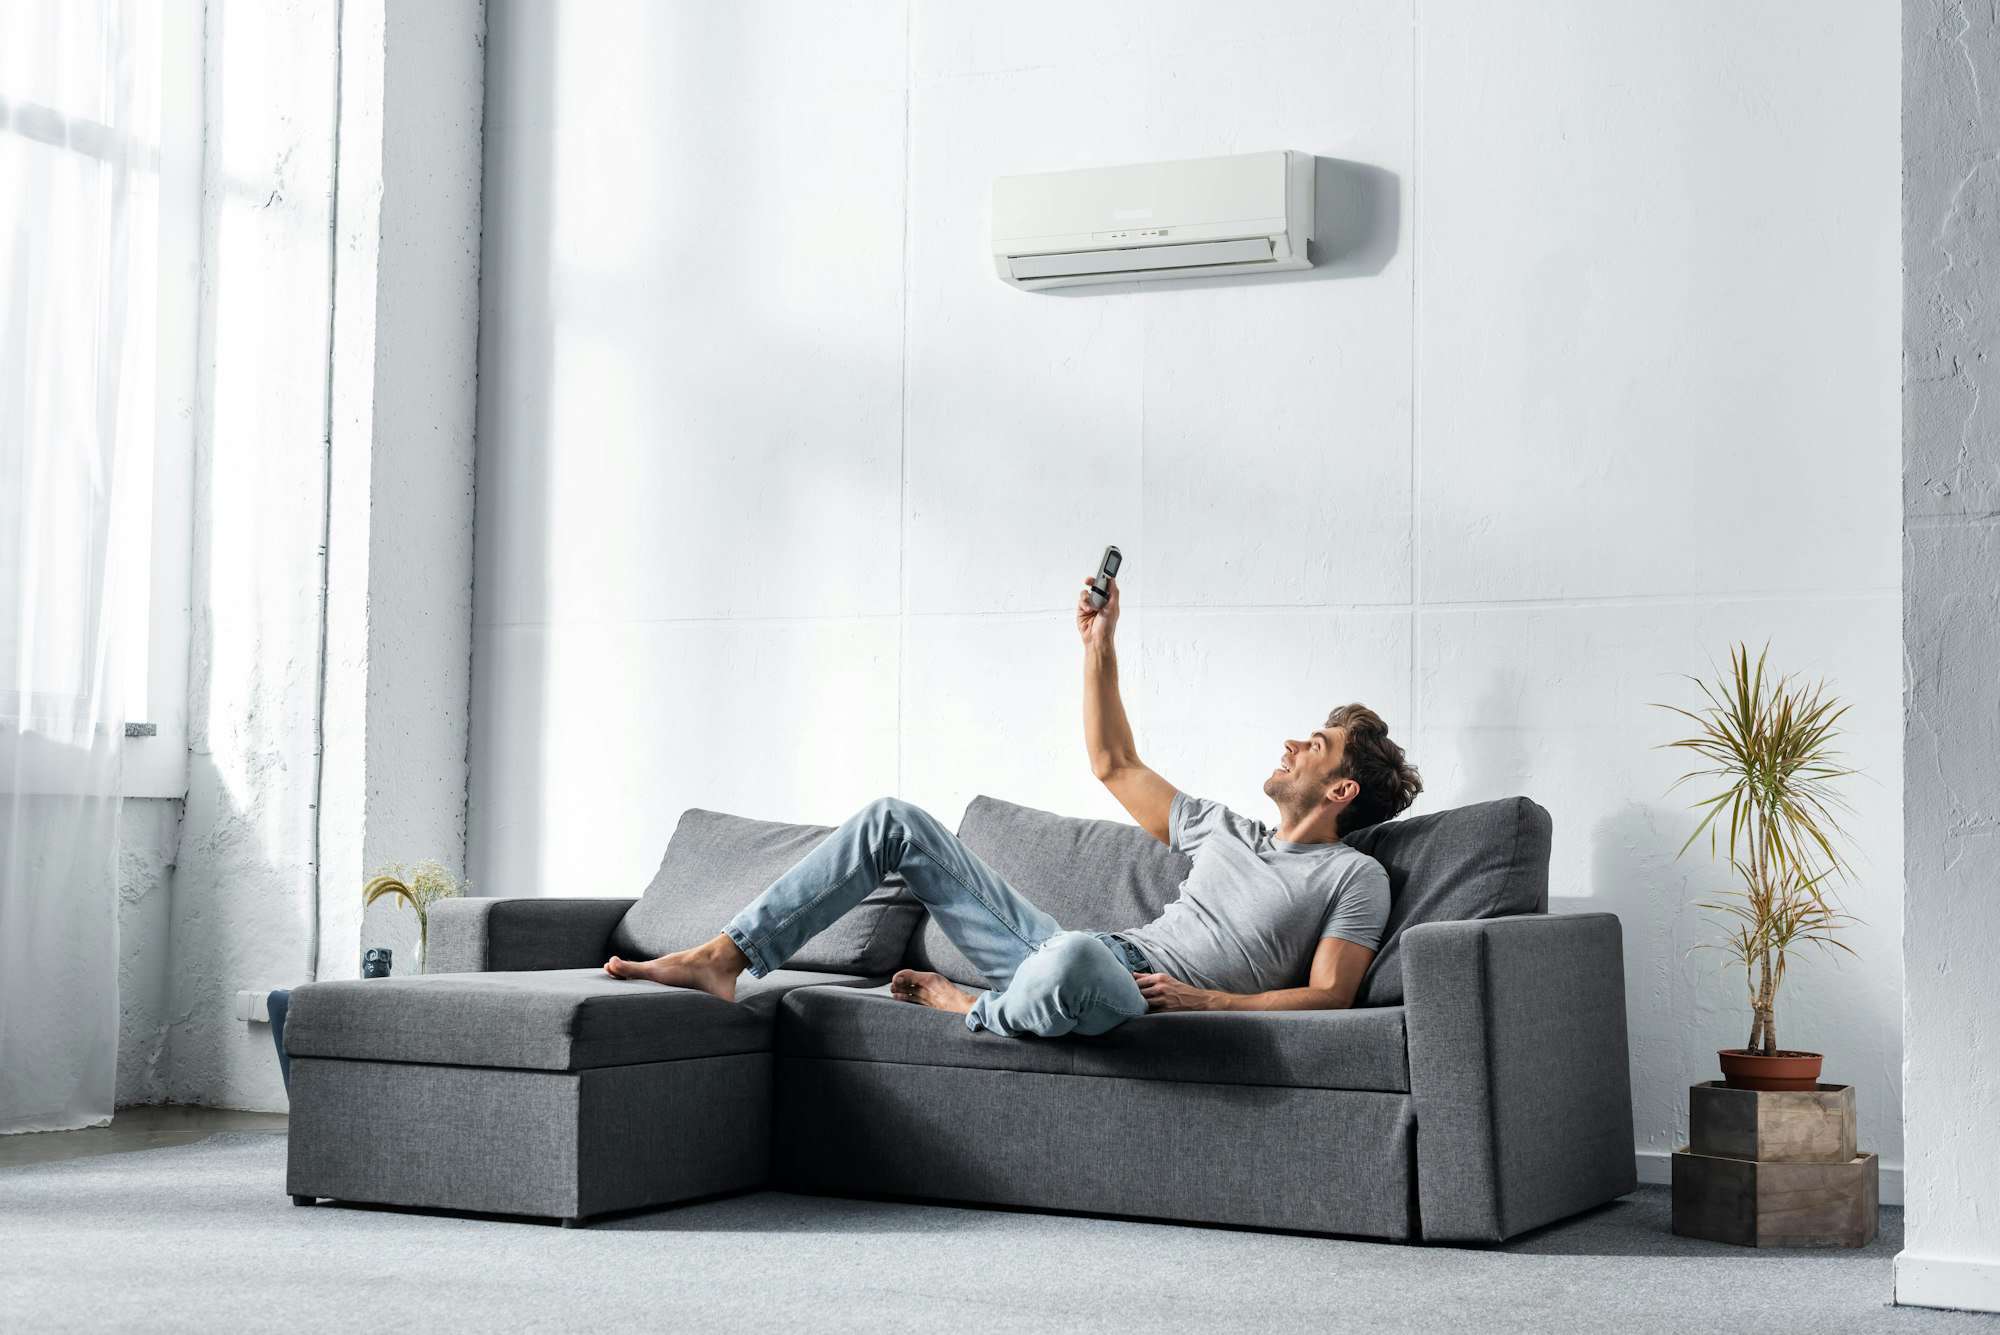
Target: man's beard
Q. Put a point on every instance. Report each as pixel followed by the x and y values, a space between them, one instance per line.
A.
pixel 1284 789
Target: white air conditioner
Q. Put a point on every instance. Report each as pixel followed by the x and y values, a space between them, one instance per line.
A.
pixel 1251 213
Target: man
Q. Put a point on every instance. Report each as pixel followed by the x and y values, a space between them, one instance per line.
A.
pixel 1268 919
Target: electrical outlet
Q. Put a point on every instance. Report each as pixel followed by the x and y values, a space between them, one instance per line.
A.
pixel 254 1007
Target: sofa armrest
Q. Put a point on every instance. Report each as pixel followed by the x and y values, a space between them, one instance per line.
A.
pixel 1518 1071
pixel 495 935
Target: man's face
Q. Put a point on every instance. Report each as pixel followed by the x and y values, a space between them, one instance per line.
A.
pixel 1305 770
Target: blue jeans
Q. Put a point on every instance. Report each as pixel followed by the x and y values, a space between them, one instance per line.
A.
pixel 1047 981
pixel 278 1003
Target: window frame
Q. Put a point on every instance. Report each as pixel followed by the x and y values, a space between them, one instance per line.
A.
pixel 155 635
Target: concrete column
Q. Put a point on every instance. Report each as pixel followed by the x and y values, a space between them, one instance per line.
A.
pixel 1951 641
pixel 404 366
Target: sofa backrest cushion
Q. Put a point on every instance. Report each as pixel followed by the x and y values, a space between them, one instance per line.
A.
pixel 1488 860
pixel 716 863
pixel 1089 875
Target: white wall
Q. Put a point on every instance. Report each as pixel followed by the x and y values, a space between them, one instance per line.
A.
pixel 243 871
pixel 783 497
pixel 1951 631
pixel 148 840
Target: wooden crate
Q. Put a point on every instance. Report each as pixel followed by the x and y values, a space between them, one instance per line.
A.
pixel 1791 1126
pixel 1777 1204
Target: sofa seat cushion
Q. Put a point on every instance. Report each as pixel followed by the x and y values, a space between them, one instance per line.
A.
pixel 1352 1049
pixel 544 1020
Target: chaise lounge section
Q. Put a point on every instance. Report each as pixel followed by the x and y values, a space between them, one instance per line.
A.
pixel 1478 1089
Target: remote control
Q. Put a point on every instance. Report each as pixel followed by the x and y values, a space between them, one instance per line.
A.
pixel 1100 587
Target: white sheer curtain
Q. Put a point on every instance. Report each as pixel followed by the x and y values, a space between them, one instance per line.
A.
pixel 79 115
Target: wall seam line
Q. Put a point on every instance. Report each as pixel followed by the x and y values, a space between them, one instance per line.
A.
pixel 903 420
pixel 1416 343
pixel 1549 604
pixel 472 509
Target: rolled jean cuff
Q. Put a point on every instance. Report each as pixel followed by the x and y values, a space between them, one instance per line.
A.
pixel 975 1019
pixel 759 966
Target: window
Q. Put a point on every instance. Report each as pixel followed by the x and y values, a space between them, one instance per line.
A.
pixel 101 119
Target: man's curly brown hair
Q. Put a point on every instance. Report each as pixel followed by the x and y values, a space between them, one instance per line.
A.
pixel 1389 783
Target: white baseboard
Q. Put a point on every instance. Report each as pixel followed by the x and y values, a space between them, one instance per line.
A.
pixel 1947 1281
pixel 1656 1167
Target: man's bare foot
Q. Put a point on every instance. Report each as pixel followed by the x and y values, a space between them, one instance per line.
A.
pixel 711 967
pixel 930 989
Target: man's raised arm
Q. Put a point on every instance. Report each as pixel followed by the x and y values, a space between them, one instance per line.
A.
pixel 1107 735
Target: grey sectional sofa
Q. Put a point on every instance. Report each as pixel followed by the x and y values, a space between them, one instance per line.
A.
pixel 1478 1090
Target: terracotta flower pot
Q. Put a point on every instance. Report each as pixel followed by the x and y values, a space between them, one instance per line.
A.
pixel 1786 1070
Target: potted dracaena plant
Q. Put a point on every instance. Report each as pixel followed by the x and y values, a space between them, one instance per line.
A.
pixel 1768 741
pixel 425 885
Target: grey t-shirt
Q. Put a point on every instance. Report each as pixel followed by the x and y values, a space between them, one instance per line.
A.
pixel 1254 908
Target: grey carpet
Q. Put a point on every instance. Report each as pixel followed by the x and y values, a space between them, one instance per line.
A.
pixel 202 1237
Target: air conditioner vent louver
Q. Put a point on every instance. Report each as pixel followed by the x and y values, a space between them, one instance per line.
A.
pixel 1123 263
pixel 1245 214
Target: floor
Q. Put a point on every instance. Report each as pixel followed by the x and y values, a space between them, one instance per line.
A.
pixel 177 1220
pixel 148 1128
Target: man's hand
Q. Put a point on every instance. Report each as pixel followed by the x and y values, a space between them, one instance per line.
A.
pixel 1337 969
pixel 1163 992
pixel 1097 624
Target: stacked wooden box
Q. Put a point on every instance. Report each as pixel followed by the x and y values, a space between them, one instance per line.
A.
pixel 1765 1169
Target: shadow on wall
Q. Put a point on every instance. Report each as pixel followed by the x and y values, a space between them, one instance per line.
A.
pixel 1357 217
pixel 1671 999
pixel 553 301
pixel 1493 750
pixel 524 38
